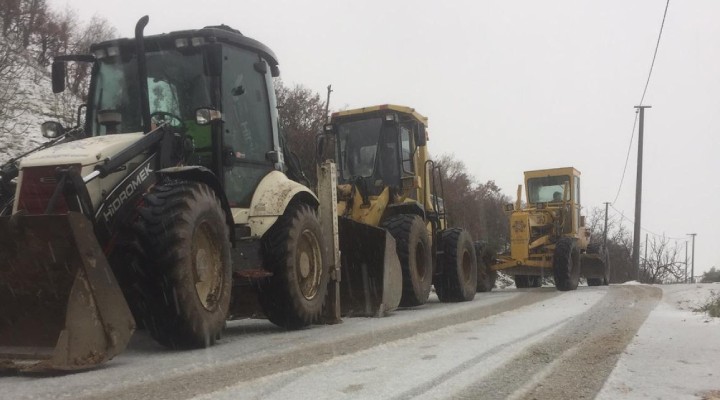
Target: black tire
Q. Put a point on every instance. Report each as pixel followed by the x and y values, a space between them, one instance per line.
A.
pixel 457 267
pixel 594 281
pixel 414 251
pixel 485 259
pixel 521 281
pixel 535 281
pixel 606 278
pixel 566 264
pixel 598 248
pixel 294 296
pixel 188 267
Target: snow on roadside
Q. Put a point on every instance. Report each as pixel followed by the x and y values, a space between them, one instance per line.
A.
pixel 676 353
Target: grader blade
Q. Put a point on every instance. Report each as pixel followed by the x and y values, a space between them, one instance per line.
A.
pixel 371 283
pixel 61 308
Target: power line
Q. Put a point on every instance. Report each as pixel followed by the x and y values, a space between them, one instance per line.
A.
pixel 622 215
pixel 647 83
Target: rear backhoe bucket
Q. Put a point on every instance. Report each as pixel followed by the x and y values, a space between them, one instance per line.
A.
pixel 371 280
pixel 61 308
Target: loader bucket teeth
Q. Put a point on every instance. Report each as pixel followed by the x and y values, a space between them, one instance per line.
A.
pixel 61 308
pixel 371 283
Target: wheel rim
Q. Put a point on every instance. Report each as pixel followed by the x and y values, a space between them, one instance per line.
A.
pixel 207 266
pixel 307 265
pixel 420 266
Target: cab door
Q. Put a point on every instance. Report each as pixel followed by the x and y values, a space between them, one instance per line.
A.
pixel 247 133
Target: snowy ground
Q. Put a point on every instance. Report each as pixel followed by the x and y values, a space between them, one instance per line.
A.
pixel 676 353
pixel 622 341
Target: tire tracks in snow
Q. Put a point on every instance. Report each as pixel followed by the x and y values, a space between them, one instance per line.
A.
pixel 208 380
pixel 575 362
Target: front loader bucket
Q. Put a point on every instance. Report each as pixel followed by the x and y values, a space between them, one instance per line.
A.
pixel 371 280
pixel 61 308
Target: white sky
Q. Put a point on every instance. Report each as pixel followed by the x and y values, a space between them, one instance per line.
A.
pixel 510 85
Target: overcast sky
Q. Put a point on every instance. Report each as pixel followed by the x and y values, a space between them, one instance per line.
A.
pixel 510 86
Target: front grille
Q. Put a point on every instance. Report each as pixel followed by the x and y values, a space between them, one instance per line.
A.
pixel 37 186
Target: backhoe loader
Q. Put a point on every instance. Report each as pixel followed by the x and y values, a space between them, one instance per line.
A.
pixel 548 236
pixel 168 209
pixel 389 195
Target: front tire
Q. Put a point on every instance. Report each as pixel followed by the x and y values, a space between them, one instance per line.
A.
pixel 294 296
pixel 187 248
pixel 414 251
pixel 457 278
pixel 566 264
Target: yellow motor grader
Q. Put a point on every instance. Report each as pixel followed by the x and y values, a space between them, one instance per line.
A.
pixel 548 235
pixel 388 184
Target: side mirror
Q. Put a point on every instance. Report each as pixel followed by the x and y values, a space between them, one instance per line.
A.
pixel 205 116
pixel 58 76
pixel 329 129
pixel 582 221
pixel 52 129
pixel 421 135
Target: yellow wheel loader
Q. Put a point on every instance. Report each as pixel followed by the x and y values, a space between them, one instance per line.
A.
pixel 168 208
pixel 548 235
pixel 393 236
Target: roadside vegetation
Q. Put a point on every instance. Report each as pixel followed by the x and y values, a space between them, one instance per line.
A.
pixel 712 306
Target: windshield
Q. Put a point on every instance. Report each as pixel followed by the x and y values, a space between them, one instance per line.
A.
pixel 547 190
pixel 358 142
pixel 176 85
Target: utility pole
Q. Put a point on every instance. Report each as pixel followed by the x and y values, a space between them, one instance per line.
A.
pixel 638 193
pixel 692 268
pixel 686 281
pixel 605 231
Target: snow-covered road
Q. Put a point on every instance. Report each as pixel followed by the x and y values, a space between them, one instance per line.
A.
pixel 625 340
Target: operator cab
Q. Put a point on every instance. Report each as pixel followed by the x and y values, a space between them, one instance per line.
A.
pixel 376 146
pixel 211 87
pixel 555 188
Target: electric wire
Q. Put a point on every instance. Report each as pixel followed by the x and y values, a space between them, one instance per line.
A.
pixel 622 215
pixel 647 83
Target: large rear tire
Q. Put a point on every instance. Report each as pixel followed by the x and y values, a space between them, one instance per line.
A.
pixel 457 276
pixel 292 250
pixel 187 247
pixel 485 259
pixel 566 264
pixel 414 251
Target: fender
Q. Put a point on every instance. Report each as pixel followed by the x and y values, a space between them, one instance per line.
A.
pixel 204 175
pixel 272 197
pixel 408 207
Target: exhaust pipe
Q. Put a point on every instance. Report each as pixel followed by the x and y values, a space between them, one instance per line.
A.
pixel 142 72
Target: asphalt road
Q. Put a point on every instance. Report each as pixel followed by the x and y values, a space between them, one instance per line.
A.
pixel 533 343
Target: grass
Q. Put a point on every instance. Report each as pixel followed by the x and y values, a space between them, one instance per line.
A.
pixel 712 306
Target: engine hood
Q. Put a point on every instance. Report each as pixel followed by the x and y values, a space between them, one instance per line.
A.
pixel 86 152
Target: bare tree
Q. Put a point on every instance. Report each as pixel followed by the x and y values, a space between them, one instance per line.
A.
pixel 11 103
pixel 662 263
pixel 302 115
